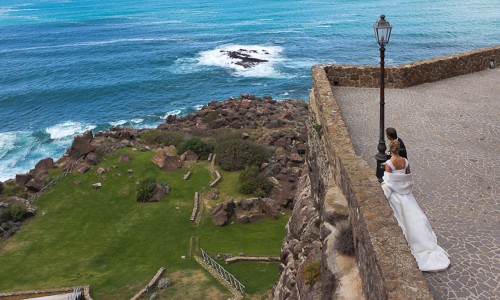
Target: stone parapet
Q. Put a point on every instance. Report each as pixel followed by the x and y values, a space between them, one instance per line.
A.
pixel 416 73
pixel 386 265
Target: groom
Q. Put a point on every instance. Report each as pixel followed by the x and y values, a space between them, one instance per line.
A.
pixel 393 135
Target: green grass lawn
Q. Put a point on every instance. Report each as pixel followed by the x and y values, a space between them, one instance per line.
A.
pixel 106 239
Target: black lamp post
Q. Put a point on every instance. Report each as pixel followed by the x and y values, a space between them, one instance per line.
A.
pixel 382 33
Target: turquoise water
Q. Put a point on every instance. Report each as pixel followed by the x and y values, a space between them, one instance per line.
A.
pixel 68 66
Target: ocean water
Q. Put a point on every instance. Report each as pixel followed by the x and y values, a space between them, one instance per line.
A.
pixel 67 66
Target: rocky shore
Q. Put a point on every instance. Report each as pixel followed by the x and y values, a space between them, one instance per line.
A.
pixel 277 125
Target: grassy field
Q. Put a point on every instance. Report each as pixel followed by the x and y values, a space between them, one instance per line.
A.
pixel 108 240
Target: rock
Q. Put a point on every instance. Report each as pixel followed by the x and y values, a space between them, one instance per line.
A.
pixel 189 155
pixel 154 296
pixel 301 148
pixel 296 158
pixel 130 171
pixel 158 193
pixel 221 218
pixel 35 185
pixel 97 185
pixel 81 146
pixel 247 204
pixel 164 283
pixel 44 165
pixel 255 218
pixel 103 177
pixel 77 182
pixel 166 162
pixel 241 218
pixel 217 208
pixel 92 159
pixel 83 169
pixel 244 136
pixel 124 158
pixel 269 206
pixel 22 179
pixel 101 170
pixel 229 206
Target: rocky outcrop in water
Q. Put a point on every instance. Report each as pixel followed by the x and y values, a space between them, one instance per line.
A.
pixel 244 58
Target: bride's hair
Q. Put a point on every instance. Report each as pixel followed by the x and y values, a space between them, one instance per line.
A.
pixel 394 147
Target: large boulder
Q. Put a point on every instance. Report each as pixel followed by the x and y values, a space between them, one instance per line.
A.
pixel 92 159
pixel 220 217
pixel 189 155
pixel 35 185
pixel 22 179
pixel 166 162
pixel 269 206
pixel 158 194
pixel 81 145
pixel 44 165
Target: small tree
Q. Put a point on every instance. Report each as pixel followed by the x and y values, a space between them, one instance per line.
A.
pixel 14 213
pixel 251 182
pixel 162 137
pixel 146 189
pixel 234 154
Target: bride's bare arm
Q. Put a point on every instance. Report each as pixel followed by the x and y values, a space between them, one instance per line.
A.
pixel 387 168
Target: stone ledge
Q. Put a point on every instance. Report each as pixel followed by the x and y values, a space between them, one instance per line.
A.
pixel 386 265
pixel 415 73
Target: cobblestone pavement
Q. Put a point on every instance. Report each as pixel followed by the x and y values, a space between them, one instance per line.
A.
pixel 451 130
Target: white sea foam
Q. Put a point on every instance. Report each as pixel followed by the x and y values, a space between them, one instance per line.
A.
pixel 218 57
pixel 67 129
pixel 137 120
pixel 118 123
pixel 172 113
pixel 198 107
pixel 15 147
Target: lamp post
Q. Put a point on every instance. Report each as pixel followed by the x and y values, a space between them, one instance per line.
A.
pixel 382 33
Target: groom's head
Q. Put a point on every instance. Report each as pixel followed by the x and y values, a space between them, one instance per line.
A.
pixel 391 134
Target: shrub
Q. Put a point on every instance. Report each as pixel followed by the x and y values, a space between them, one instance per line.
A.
pixel 146 189
pixel 312 273
pixel 344 243
pixel 197 145
pixel 211 116
pixel 234 154
pixel 251 182
pixel 162 137
pixel 14 213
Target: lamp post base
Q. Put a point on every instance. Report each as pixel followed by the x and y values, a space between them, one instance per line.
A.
pixel 381 159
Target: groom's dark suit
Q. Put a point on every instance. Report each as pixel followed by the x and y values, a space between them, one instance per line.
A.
pixel 402 149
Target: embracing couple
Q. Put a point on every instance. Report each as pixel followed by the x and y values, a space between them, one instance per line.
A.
pixel 397 185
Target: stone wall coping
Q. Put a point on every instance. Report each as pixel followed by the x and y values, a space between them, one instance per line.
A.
pixel 415 73
pixel 387 267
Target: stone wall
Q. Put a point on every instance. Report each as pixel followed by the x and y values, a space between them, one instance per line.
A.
pixel 387 267
pixel 414 73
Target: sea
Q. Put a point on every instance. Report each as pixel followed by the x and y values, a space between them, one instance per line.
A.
pixel 67 66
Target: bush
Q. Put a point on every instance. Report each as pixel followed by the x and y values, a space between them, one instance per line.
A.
pixel 312 273
pixel 146 189
pixel 344 243
pixel 211 116
pixel 162 137
pixel 234 154
pixel 14 213
pixel 251 182
pixel 198 146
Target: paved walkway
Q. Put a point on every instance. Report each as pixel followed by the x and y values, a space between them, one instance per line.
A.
pixel 451 129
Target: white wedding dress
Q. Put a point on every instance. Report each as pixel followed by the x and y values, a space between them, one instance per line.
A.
pixel 397 188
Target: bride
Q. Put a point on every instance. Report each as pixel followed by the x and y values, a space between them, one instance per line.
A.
pixel 397 185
